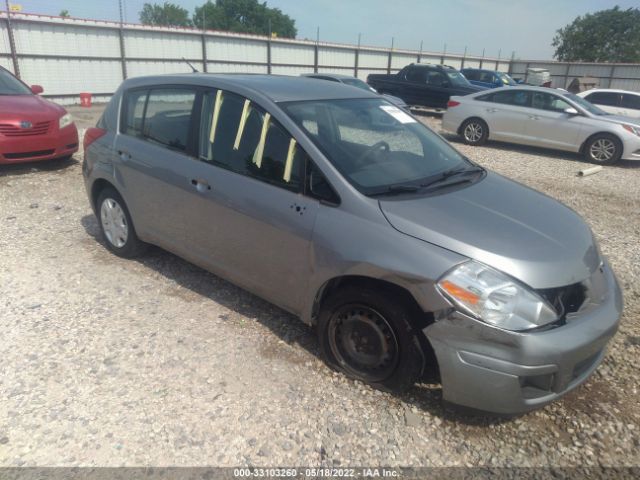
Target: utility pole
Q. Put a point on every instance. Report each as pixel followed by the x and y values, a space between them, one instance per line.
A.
pixel 12 42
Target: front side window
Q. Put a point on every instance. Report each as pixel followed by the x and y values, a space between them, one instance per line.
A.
pixel 629 100
pixel 487 77
pixel 435 78
pixel 376 146
pixel 240 136
pixel 604 98
pixel 457 79
pixel 167 117
pixel 588 106
pixel 10 85
pixel 547 101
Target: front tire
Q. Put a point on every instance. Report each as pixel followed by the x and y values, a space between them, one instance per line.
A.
pixel 367 335
pixel 116 225
pixel 474 131
pixel 603 149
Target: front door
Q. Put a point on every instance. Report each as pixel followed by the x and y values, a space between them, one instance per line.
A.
pixel 550 125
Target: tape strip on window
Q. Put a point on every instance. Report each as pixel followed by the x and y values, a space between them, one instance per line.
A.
pixel 289 163
pixel 216 114
pixel 257 155
pixel 243 121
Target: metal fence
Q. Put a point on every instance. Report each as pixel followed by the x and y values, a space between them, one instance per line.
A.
pixel 68 56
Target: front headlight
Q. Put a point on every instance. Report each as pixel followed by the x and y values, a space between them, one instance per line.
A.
pixel 65 120
pixel 631 129
pixel 495 298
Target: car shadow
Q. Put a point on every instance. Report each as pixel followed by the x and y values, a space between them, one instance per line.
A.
pixel 425 396
pixel 547 152
pixel 42 166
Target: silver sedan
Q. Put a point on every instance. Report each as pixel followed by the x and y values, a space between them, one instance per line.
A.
pixel 544 117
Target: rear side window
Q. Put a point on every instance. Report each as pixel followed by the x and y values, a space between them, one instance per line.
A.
pixel 135 102
pixel 510 97
pixel 240 136
pixel 604 98
pixel 630 101
pixel 417 74
pixel 168 117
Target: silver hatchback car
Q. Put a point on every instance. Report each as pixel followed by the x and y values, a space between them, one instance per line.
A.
pixel 344 210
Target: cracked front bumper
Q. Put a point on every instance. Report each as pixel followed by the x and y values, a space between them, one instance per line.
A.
pixel 494 370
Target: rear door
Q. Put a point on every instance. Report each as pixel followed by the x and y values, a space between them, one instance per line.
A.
pixel 507 114
pixel 550 125
pixel 155 152
pixel 252 220
pixel 630 105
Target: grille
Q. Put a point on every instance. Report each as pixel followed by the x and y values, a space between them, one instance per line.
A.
pixel 565 300
pixel 9 130
pixel 17 156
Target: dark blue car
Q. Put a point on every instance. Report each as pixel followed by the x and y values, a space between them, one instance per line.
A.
pixel 488 78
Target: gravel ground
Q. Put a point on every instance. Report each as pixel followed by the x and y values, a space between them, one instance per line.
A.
pixel 108 362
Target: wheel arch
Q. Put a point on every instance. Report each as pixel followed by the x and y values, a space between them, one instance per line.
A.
pixel 98 186
pixel 593 135
pixel 474 117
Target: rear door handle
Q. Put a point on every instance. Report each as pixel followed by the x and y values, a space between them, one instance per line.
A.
pixel 200 184
pixel 534 117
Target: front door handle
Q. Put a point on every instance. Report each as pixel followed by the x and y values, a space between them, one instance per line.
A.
pixel 200 184
pixel 492 110
pixel 534 117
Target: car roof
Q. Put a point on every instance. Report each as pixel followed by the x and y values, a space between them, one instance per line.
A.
pixel 337 76
pixel 278 88
pixel 612 90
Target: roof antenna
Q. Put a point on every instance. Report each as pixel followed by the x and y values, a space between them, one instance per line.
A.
pixel 193 69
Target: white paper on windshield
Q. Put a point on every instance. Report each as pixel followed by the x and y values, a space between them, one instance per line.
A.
pixel 398 114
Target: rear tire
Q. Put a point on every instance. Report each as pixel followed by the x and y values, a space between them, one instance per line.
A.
pixel 474 131
pixel 367 335
pixel 603 149
pixel 116 225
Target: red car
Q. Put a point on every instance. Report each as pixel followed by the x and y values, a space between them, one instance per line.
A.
pixel 32 128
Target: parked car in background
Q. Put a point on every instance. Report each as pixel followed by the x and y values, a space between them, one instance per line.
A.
pixel 546 118
pixel 356 82
pixel 347 212
pixel 617 102
pixel 424 84
pixel 32 128
pixel 488 78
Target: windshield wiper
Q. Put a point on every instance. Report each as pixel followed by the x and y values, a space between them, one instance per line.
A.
pixel 452 173
pixel 398 188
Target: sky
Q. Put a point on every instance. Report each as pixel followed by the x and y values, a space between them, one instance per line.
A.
pixel 526 27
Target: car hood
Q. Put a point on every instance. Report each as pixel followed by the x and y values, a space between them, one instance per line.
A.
pixel 505 225
pixel 28 107
pixel 620 119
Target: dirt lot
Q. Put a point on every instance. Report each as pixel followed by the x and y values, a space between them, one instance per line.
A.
pixel 109 362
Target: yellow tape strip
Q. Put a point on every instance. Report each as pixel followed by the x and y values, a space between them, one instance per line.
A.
pixel 243 122
pixel 289 164
pixel 216 114
pixel 257 155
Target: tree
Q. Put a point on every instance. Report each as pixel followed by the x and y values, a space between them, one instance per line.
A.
pixel 606 36
pixel 64 13
pixel 246 16
pixel 167 14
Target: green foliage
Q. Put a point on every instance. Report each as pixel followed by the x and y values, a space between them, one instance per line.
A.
pixel 606 36
pixel 245 16
pixel 64 13
pixel 167 14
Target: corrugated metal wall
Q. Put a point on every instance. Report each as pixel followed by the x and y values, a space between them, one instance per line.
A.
pixel 69 56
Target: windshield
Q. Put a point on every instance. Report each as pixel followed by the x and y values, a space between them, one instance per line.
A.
pixel 457 79
pixel 356 82
pixel 10 85
pixel 506 79
pixel 375 145
pixel 588 106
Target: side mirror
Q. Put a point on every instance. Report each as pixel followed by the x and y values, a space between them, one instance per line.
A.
pixel 571 111
pixel 36 89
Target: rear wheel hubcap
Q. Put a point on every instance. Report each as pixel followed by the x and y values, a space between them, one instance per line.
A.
pixel 114 222
pixel 473 132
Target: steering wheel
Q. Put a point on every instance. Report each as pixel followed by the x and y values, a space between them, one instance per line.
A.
pixel 381 145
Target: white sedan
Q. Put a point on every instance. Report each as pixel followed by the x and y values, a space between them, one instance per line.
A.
pixel 617 102
pixel 544 117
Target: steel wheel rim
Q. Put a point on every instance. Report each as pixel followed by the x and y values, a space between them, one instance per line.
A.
pixel 602 150
pixel 114 222
pixel 473 132
pixel 363 342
